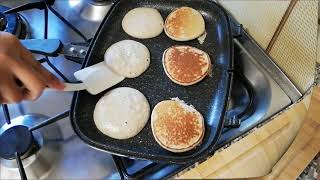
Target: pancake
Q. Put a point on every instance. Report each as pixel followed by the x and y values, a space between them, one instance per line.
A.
pixel 176 126
pixel 143 23
pixel 184 24
pixel 185 65
pixel 127 58
pixel 121 113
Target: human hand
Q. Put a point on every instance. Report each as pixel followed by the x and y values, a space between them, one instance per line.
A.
pixel 21 77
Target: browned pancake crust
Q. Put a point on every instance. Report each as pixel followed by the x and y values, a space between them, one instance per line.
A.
pixel 175 126
pixel 184 24
pixel 175 23
pixel 186 65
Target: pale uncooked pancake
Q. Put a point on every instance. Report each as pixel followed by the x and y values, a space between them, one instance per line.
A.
pixel 143 23
pixel 128 58
pixel 177 126
pixel 122 113
pixel 184 24
pixel 185 65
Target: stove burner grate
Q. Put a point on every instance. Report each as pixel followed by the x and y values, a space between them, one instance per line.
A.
pixel 9 23
pixel 13 23
pixel 18 141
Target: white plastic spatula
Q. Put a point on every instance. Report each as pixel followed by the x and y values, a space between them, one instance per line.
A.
pixel 95 79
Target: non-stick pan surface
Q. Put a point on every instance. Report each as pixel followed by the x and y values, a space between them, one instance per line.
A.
pixel 208 96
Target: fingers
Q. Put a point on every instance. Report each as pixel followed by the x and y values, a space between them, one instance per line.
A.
pixel 48 78
pixel 30 78
pixel 2 100
pixel 10 91
pixel 21 77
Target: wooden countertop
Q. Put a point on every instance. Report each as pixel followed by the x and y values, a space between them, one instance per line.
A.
pixel 264 152
pixel 275 151
pixel 267 152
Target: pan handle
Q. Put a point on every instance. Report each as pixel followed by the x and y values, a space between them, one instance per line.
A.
pixel 235 121
pixel 47 47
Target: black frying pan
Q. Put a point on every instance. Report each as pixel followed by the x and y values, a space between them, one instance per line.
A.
pixel 210 96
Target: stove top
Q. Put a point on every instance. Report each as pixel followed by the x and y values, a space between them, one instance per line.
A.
pixel 255 97
pixel 91 10
pixel 54 151
pixel 13 23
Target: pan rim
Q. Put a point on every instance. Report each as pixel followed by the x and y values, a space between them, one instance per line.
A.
pixel 186 159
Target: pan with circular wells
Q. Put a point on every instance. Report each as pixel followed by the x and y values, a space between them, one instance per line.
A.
pixel 209 96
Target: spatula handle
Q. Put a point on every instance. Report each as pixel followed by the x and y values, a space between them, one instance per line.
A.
pixel 74 87
pixel 71 87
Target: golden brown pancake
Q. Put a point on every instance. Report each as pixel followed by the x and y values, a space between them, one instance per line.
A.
pixel 184 24
pixel 176 126
pixel 185 65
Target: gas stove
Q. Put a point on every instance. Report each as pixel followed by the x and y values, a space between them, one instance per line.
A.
pixel 50 149
pixel 13 23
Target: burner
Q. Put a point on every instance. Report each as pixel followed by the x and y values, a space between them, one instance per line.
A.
pixel 92 10
pixel 13 23
pixel 15 139
pixel 38 161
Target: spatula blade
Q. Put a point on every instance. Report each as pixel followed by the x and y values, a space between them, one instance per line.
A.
pixel 98 78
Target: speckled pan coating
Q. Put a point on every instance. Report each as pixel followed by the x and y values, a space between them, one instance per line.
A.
pixel 208 96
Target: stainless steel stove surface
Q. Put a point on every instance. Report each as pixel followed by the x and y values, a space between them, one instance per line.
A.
pixel 62 155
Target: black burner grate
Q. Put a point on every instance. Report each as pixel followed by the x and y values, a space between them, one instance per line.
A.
pixel 8 22
pixel 17 141
pixel 12 23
